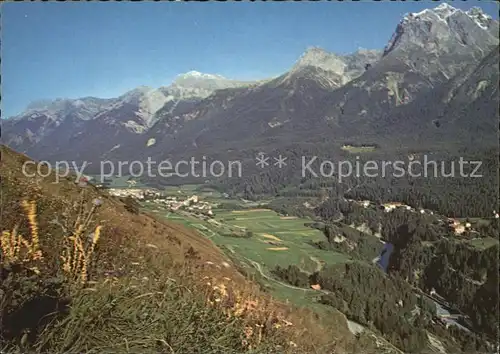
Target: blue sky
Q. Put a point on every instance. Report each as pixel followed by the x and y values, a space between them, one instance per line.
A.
pixel 103 49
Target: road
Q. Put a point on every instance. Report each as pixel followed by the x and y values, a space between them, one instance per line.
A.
pixel 257 266
pixel 319 265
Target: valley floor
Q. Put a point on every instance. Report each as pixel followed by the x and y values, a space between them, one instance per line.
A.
pixel 258 240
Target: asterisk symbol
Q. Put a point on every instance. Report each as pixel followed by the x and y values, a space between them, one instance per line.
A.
pixel 262 160
pixel 280 161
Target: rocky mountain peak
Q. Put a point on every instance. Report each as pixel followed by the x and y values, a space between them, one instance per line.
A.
pixel 320 58
pixel 483 20
pixel 330 68
pixel 41 104
pixel 441 12
pixel 444 29
pixel 444 10
pixel 196 79
pixel 201 84
pixel 198 75
pixel 49 105
pixel 136 93
pixel 58 109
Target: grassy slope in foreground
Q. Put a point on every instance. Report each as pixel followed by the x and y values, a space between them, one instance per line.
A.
pixel 275 240
pixel 149 286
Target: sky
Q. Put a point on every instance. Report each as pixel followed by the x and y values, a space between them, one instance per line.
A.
pixel 103 49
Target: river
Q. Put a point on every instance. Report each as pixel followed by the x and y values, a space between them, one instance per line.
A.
pixel 385 254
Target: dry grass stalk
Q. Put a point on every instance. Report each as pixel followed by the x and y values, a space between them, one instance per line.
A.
pixel 260 316
pixel 77 256
pixel 17 249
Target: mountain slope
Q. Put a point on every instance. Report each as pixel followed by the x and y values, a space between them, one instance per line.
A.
pixel 144 273
pixel 88 128
pixel 425 52
pixel 463 110
pixel 364 96
pixel 266 110
pixel 42 119
pixel 320 97
pixel 440 42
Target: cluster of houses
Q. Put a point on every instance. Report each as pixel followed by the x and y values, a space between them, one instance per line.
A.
pixel 388 207
pixel 391 206
pixel 191 204
pixel 455 225
pixel 136 193
pixel 458 227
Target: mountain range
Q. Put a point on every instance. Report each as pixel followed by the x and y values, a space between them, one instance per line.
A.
pixel 436 81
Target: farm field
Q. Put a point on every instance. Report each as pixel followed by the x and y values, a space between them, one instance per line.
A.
pixel 209 194
pixel 188 189
pixel 276 240
pixel 271 240
pixel 117 182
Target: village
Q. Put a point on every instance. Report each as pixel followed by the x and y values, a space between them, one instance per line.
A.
pixel 191 204
pixel 194 206
pixel 455 225
pixel 201 208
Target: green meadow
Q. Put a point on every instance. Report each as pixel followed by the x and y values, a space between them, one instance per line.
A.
pixel 273 241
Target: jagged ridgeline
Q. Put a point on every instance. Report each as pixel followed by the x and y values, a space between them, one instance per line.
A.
pixel 375 261
pixel 434 84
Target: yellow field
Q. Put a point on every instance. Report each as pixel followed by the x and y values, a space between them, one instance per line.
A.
pixel 269 236
pixel 277 248
pixel 288 217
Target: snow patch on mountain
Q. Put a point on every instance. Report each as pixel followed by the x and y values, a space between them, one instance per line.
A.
pixel 442 11
pixel 445 12
pixel 480 18
pixel 60 109
pixel 193 85
pixel 198 75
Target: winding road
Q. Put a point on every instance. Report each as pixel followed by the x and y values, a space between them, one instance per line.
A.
pixel 349 323
pixel 259 268
pixel 319 265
